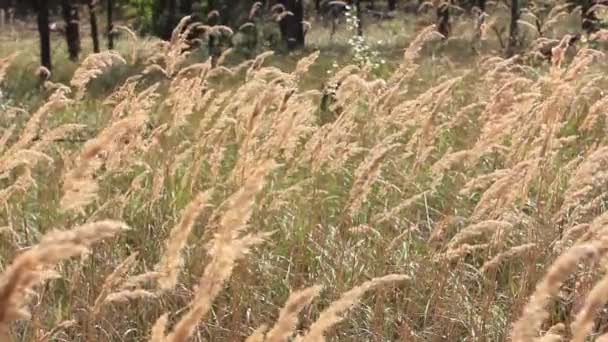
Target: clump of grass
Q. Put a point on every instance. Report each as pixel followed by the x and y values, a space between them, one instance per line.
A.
pixel 449 178
pixel 33 266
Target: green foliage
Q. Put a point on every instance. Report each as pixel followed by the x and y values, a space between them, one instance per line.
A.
pixel 145 15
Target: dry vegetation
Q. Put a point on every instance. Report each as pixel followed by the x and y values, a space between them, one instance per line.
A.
pixel 226 203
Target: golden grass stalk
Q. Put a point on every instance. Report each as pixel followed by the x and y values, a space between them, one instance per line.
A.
pixel 228 246
pixel 126 295
pixel 482 181
pixel 258 335
pixel 332 315
pixel 525 329
pixel 111 282
pixel 27 270
pixel 171 261
pixel 61 326
pixel 596 299
pixel 158 330
pixel 462 250
pixel 588 177
pixel 481 228
pixel 394 212
pixel 508 254
pixel 26 157
pixel 305 63
pixel 5 63
pixel 79 184
pixel 21 185
pixel 137 280
pixel 554 334
pixel 57 100
pixel 158 183
pixel 506 190
pixel 55 134
pixel 92 67
pixel 288 317
pixel 6 135
pixel 365 175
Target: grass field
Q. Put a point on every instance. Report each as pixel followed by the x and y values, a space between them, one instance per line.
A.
pixel 446 196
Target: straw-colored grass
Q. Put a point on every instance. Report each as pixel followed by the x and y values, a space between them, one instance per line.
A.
pixel 434 200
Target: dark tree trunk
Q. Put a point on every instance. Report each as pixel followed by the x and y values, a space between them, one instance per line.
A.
pixel 359 18
pixel 44 33
pixel 392 5
pixel 298 24
pixel 93 21
pixel 513 28
pixel 21 8
pixel 291 26
pixel 72 34
pixel 171 19
pixel 588 16
pixel 185 7
pixel 482 5
pixel 4 8
pixel 110 28
pixel 443 19
pixel 318 6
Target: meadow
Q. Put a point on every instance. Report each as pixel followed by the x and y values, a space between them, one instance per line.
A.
pixel 448 195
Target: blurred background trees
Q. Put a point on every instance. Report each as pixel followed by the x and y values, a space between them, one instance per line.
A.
pixel 278 24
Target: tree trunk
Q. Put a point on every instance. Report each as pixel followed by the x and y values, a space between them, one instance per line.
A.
pixel 21 8
pixel 44 33
pixel 110 24
pixel 443 19
pixel 4 7
pixel 513 29
pixel 291 26
pixel 72 34
pixel 185 7
pixel 392 5
pixel 93 21
pixel 171 19
pixel 588 16
pixel 482 5
pixel 359 18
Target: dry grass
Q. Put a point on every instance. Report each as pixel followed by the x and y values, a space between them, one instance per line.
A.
pixel 461 198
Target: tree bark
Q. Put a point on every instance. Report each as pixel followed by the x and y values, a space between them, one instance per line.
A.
pixel 482 5
pixel 93 21
pixel 513 28
pixel 392 5
pixel 359 18
pixel 443 19
pixel 110 24
pixel 44 33
pixel 72 34
pixel 171 19
pixel 292 28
